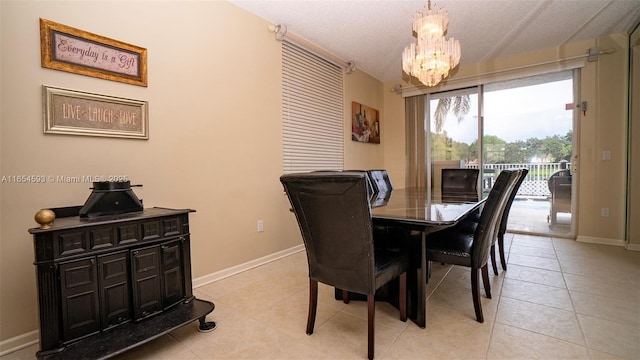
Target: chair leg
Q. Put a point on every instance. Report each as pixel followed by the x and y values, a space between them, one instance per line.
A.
pixel 345 296
pixel 402 297
pixel 492 252
pixel 475 293
pixel 371 306
pixel 485 280
pixel 313 303
pixel 503 260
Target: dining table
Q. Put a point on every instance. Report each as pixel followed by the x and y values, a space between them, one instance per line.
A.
pixel 418 212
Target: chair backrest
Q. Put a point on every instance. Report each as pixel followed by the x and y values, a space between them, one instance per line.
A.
pixel 380 180
pixel 491 212
pixel 373 192
pixel 512 196
pixel 460 183
pixel 334 216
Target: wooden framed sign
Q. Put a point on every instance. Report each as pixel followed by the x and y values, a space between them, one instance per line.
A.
pixel 68 49
pixel 74 112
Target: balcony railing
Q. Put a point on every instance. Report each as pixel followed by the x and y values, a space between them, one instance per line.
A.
pixel 535 184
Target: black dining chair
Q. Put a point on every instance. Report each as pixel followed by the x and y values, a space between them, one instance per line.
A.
pixel 459 183
pixel 380 180
pixel 471 223
pixel 459 247
pixel 334 216
pixel 504 219
pixel 371 187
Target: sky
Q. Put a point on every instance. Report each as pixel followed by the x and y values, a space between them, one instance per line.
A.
pixel 520 113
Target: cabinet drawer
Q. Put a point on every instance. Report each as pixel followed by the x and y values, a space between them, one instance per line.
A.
pixel 101 237
pixel 72 242
pixel 128 233
pixel 151 230
pixel 171 226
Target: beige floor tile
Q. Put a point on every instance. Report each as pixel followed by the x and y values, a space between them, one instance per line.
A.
pixel 569 248
pixel 534 261
pixel 237 337
pixel 534 275
pixel 537 293
pixel 598 355
pixel 461 276
pixel 545 252
pixel 222 287
pixel 604 267
pixel 438 274
pixel 256 296
pixel 621 310
pixel 448 335
pixel 290 315
pixel 541 319
pixel 162 348
pixel 532 241
pixel 509 342
pixel 454 297
pixel 611 337
pixel 596 286
pixel 344 336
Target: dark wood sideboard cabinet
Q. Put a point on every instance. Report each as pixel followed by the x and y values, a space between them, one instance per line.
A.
pixel 110 283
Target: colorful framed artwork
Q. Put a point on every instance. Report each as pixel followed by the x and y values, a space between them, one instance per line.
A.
pixel 365 123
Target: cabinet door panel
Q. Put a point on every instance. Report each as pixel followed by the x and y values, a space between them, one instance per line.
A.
pixel 114 289
pixel 172 274
pixel 146 282
pixel 80 304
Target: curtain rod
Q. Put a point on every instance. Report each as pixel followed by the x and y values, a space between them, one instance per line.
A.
pixel 591 55
pixel 283 35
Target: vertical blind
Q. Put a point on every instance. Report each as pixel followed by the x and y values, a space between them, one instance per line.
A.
pixel 312 112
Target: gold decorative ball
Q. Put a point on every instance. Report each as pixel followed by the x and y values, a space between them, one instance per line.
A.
pixel 45 218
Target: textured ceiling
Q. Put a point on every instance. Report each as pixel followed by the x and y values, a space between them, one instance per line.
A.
pixel 373 34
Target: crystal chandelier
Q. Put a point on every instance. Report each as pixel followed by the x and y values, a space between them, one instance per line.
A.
pixel 431 58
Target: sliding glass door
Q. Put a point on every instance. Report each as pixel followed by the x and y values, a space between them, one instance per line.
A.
pixel 528 122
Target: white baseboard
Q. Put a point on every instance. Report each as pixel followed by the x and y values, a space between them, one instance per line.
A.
pixel 31 338
pixel 19 342
pixel 632 247
pixel 599 240
pixel 219 275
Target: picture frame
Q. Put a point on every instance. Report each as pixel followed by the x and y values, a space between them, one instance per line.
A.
pixel 80 52
pixel 72 112
pixel 365 123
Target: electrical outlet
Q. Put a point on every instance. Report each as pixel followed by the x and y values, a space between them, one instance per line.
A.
pixel 604 212
pixel 260 226
pixel 606 155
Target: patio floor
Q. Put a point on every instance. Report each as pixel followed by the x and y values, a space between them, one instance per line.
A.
pixel 530 215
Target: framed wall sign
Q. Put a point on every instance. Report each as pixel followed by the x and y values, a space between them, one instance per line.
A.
pixel 68 49
pixel 365 123
pixel 74 112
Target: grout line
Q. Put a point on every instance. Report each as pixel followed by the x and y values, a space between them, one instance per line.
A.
pixel 575 313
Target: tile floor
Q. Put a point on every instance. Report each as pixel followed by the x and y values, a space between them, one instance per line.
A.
pixel 559 299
